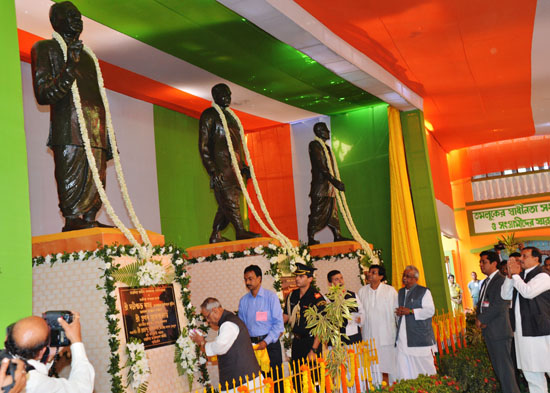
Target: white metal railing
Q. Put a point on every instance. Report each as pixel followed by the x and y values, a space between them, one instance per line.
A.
pixel 511 186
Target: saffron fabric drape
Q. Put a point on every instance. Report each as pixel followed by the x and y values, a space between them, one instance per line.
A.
pixel 404 236
pixel 270 150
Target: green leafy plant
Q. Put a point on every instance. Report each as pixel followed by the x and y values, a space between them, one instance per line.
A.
pixel 423 384
pixel 325 325
pixel 473 333
pixel 509 242
pixel 472 368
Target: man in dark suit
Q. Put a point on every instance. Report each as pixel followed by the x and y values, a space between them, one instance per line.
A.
pixel 494 320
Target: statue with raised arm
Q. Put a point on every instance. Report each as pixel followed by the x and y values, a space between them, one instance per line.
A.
pixel 216 159
pixel 323 208
pixel 53 75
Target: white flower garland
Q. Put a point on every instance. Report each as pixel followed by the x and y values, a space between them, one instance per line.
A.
pixel 139 371
pixel 150 274
pixel 274 232
pixel 144 252
pixel 343 204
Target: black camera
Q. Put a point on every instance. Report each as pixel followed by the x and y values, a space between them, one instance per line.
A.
pixel 10 371
pixel 58 338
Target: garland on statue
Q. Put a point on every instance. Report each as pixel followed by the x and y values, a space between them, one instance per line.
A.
pixel 144 252
pixel 370 256
pixel 289 253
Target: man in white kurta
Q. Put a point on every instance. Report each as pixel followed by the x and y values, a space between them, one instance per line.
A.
pixel 532 348
pixel 413 360
pixel 378 302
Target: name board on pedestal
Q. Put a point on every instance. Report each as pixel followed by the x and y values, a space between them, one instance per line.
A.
pixel 150 315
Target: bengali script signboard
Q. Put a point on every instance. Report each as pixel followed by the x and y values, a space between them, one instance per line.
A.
pixel 150 315
pixel 510 218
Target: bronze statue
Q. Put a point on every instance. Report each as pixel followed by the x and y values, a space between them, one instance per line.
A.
pixel 217 161
pixel 323 208
pixel 53 76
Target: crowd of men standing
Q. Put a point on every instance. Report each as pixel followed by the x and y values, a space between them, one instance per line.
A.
pixel 400 324
pixel 509 309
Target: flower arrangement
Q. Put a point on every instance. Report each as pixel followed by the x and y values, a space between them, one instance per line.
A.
pixel 185 357
pixel 138 367
pixel 150 273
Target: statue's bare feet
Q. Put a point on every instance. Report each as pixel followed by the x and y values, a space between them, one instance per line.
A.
pixel 311 242
pixel 341 238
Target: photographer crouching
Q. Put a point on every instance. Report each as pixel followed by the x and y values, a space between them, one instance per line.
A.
pixel 37 340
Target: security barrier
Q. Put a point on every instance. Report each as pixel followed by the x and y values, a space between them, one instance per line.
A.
pixel 358 374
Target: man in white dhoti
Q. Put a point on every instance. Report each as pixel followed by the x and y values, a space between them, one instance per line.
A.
pixel 530 293
pixel 378 301
pixel 415 339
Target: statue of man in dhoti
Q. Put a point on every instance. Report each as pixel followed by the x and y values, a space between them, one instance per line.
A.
pixel 53 75
pixel 323 208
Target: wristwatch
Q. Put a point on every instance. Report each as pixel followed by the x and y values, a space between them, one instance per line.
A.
pixel 411 311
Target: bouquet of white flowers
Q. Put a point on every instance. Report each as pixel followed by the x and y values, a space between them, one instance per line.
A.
pixel 138 367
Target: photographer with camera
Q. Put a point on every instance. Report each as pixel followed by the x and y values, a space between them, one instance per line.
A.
pixel 37 340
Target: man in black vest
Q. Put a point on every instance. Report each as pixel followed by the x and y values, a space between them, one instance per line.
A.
pixel 415 339
pixel 236 359
pixel 494 320
pixel 529 291
pixel 350 328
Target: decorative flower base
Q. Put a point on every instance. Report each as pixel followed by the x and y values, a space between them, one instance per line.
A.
pixel 85 239
pixel 334 248
pixel 206 250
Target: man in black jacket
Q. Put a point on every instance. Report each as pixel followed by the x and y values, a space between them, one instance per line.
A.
pixel 494 320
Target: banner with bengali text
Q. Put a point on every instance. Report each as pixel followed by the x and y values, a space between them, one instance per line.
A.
pixel 510 218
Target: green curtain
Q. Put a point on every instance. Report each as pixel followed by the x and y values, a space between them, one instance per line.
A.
pixel 187 205
pixel 360 142
pixel 15 223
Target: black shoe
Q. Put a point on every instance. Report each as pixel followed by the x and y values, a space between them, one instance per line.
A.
pixel 340 238
pixel 217 238
pixel 311 241
pixel 247 235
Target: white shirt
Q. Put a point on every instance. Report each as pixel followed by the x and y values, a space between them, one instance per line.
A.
pixel 426 312
pixel 529 350
pixel 226 337
pixel 81 378
pixel 378 313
